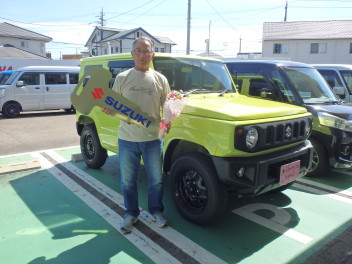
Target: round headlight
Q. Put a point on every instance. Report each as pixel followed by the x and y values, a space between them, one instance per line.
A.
pixel 252 138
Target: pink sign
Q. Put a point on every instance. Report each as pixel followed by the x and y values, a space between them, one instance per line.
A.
pixel 289 172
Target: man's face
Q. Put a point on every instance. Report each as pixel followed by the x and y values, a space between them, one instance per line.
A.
pixel 142 54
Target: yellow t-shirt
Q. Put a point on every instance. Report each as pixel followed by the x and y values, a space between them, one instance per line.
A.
pixel 146 89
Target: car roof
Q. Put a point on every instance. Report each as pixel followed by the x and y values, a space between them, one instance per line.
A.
pixel 6 72
pixel 273 62
pixel 50 68
pixel 333 66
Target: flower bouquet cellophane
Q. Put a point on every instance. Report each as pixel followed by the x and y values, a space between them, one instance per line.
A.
pixel 173 106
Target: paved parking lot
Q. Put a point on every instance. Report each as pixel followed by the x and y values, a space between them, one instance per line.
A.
pixel 64 212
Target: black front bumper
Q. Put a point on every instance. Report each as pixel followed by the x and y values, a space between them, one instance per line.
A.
pixel 261 173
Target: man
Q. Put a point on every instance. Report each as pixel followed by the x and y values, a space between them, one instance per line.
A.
pixel 148 89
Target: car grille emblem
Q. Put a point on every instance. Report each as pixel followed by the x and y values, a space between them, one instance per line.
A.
pixel 288 132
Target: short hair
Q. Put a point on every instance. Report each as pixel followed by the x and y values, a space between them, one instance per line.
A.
pixel 143 38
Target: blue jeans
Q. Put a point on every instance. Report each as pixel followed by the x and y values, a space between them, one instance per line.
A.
pixel 130 154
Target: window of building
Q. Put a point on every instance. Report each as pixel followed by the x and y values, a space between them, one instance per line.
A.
pixel 105 51
pixel 162 50
pixel 156 49
pixel 116 49
pixel 318 48
pixel 24 44
pixel 280 48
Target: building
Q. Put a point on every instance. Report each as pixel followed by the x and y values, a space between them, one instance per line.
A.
pixel 23 39
pixel 105 40
pixel 20 47
pixel 308 41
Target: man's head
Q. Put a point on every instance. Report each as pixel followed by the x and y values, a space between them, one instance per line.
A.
pixel 142 53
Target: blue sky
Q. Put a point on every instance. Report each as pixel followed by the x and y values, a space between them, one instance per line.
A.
pixel 227 22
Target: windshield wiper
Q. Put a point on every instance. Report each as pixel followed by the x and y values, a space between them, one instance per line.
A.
pixel 225 91
pixel 195 90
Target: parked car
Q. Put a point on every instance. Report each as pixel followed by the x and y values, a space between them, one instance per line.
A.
pixel 4 76
pixel 222 141
pixel 301 84
pixel 35 88
pixel 339 78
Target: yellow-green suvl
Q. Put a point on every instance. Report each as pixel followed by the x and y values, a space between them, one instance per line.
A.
pixel 93 90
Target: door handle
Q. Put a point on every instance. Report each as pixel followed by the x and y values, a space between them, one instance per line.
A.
pixel 47 89
pixel 37 88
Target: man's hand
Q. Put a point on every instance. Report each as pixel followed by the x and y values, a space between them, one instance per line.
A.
pixel 106 110
pixel 168 128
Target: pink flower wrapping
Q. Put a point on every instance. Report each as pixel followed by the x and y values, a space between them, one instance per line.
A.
pixel 173 106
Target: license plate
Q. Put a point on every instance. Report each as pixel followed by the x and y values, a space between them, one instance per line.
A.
pixel 289 172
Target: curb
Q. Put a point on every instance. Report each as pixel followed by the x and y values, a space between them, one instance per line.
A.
pixel 21 166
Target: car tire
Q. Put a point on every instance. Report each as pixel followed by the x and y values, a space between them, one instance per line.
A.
pixel 320 159
pixel 196 190
pixel 69 110
pixel 11 110
pixel 94 155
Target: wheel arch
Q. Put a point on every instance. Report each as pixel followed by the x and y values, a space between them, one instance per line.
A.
pixel 177 148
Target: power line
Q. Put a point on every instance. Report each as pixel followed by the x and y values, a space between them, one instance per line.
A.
pixel 47 25
pixel 124 13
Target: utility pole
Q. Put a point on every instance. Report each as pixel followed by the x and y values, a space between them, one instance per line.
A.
pixel 102 24
pixel 240 50
pixel 188 28
pixel 286 11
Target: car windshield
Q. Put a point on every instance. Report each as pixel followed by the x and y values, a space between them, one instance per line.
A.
pixel 310 85
pixel 347 77
pixel 196 75
pixel 13 77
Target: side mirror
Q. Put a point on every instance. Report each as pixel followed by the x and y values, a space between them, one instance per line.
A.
pixel 19 84
pixel 266 93
pixel 340 91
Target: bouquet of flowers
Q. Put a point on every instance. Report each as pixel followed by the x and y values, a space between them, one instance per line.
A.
pixel 173 106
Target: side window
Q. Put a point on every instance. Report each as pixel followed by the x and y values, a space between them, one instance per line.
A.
pixel 239 85
pixel 55 78
pixel 116 67
pixel 73 78
pixel 30 78
pixel 347 76
pixel 331 77
pixel 256 85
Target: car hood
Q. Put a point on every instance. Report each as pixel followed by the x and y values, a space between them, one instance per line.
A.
pixel 236 107
pixel 340 110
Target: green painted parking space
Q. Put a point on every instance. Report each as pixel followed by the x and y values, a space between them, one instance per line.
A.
pixel 65 212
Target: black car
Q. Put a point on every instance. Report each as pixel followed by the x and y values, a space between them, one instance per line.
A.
pixel 301 84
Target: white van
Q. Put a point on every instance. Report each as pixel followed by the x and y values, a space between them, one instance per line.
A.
pixel 339 77
pixel 35 88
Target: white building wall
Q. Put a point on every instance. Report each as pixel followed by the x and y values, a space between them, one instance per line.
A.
pixel 299 50
pixel 34 46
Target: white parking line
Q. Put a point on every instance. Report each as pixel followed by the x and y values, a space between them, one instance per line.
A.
pixel 186 245
pixel 276 223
